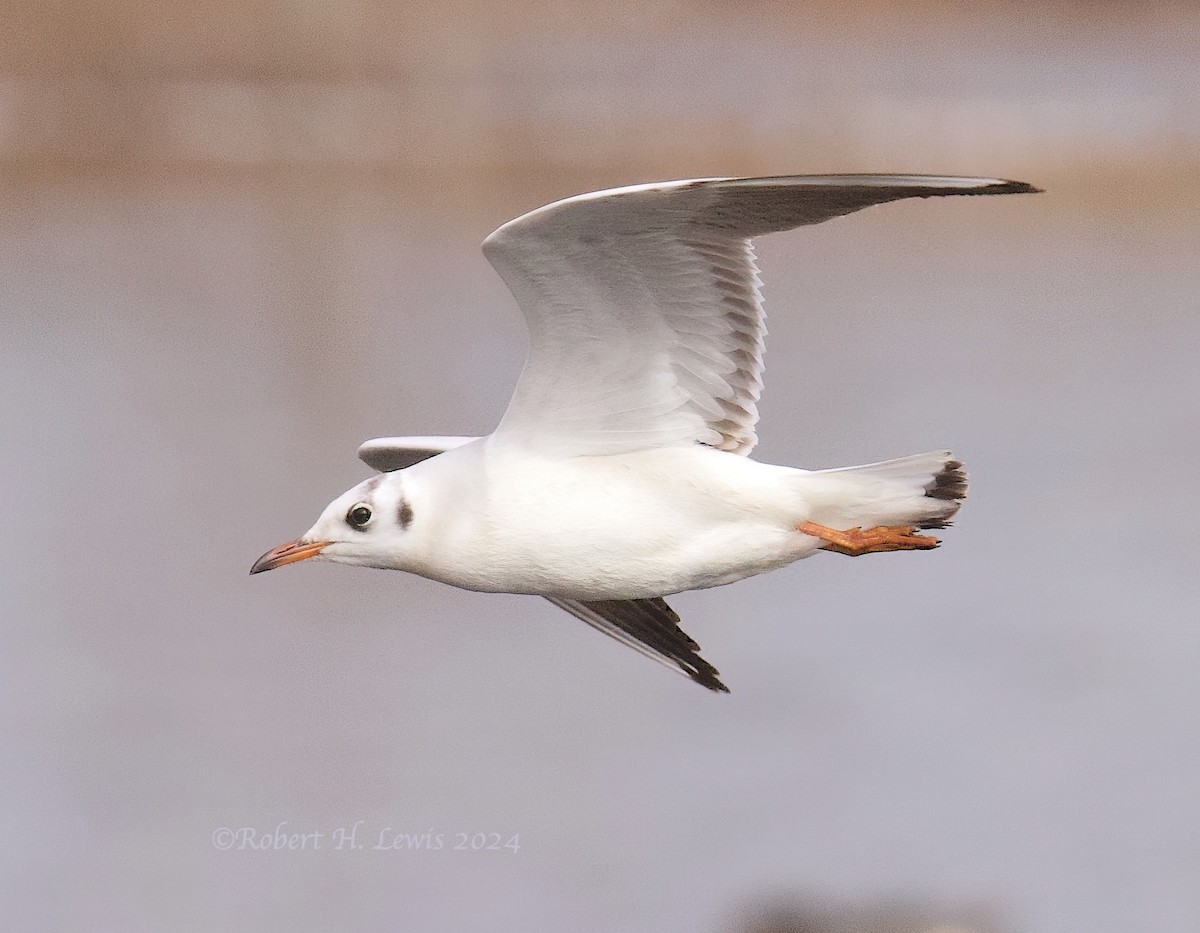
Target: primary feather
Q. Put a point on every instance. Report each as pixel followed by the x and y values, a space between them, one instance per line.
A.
pixel 643 304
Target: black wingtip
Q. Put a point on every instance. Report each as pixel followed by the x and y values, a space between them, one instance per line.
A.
pixel 1011 187
pixel 650 626
pixel 706 676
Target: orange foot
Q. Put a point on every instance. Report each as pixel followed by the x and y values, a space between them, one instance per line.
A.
pixel 856 541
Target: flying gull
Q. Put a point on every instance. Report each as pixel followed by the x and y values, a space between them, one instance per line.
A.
pixel 620 472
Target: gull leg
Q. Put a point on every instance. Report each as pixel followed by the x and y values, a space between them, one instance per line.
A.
pixel 854 542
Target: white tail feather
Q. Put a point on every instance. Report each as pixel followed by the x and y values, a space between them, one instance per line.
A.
pixel 922 490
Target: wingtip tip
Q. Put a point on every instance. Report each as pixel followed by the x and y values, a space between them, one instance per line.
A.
pixel 1004 186
pixel 710 681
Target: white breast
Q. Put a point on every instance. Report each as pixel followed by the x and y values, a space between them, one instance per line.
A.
pixel 634 525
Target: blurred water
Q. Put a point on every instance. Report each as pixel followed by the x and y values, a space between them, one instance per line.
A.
pixel 188 364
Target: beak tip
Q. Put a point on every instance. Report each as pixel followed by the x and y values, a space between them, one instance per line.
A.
pixel 287 554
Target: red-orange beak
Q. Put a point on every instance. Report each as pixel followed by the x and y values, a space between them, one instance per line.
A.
pixel 288 554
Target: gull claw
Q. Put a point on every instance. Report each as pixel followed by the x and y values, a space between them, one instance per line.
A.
pixel 854 542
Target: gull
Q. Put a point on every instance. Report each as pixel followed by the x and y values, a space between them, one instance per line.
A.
pixel 620 472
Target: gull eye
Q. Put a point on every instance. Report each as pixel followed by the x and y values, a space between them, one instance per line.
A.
pixel 358 516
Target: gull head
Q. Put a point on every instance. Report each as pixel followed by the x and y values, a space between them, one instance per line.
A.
pixel 369 525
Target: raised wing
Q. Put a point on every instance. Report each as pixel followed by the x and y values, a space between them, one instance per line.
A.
pixel 643 305
pixel 386 454
pixel 649 626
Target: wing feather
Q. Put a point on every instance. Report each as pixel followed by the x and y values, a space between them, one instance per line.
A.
pixel 650 627
pixel 386 454
pixel 644 308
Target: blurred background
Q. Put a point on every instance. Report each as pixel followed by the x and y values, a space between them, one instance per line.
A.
pixel 237 239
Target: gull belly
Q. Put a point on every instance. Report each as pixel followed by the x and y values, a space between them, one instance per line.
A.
pixel 623 526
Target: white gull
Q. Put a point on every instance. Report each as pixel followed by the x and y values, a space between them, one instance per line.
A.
pixel 620 472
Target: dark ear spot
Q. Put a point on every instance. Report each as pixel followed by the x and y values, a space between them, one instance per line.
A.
pixel 404 514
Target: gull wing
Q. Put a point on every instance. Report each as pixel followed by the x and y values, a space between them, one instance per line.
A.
pixel 386 454
pixel 643 305
pixel 649 626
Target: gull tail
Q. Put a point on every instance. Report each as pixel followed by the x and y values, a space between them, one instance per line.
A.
pixel 924 490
